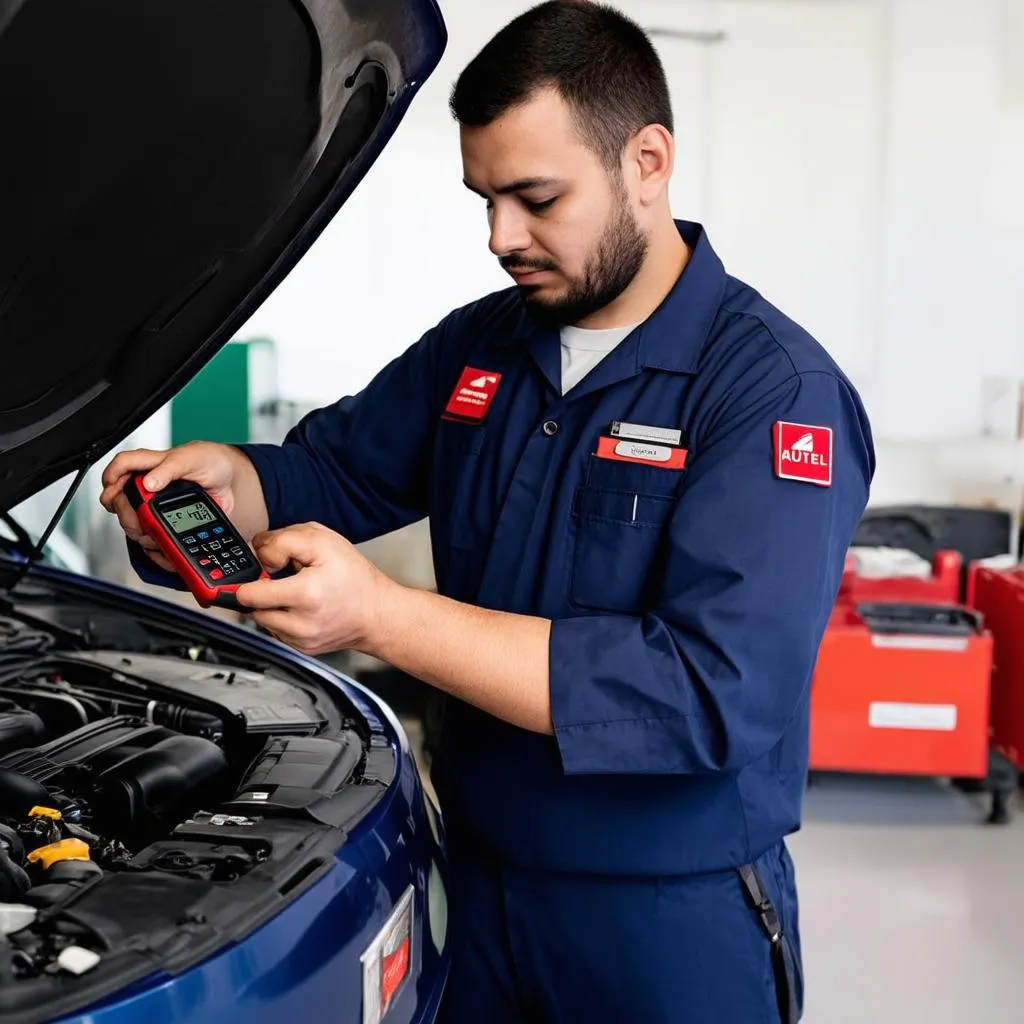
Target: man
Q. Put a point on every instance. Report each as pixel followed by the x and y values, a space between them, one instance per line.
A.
pixel 641 480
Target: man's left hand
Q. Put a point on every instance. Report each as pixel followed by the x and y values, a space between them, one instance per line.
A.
pixel 333 602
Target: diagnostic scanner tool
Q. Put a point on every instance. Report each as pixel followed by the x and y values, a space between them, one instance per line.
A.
pixel 195 536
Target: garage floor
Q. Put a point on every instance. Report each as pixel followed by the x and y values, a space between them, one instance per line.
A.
pixel 912 909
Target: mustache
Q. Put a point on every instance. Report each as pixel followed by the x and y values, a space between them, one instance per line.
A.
pixel 522 263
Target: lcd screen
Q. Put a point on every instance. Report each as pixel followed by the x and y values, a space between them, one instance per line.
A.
pixel 188 517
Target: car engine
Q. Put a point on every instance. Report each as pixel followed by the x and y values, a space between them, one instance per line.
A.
pixel 158 800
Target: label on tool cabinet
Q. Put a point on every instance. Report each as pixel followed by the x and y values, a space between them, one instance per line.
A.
pixel 929 717
pixel 909 642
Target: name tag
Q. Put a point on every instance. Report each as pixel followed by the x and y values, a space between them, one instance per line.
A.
pixel 643 452
pixel 641 432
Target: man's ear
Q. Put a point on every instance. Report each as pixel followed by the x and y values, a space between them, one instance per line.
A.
pixel 651 157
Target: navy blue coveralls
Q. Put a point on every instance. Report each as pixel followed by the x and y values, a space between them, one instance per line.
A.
pixel 596 872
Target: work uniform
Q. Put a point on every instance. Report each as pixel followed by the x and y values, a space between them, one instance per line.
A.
pixel 597 868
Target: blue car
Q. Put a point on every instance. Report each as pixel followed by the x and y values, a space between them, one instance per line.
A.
pixel 197 824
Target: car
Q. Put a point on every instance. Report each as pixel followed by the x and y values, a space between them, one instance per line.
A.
pixel 197 823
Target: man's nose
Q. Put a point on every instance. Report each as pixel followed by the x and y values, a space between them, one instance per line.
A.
pixel 508 232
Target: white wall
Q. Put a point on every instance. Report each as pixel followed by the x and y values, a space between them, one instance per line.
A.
pixel 858 161
pixel 953 249
pixel 408 247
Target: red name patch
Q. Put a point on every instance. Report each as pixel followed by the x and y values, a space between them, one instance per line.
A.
pixel 473 395
pixel 620 450
pixel 803 452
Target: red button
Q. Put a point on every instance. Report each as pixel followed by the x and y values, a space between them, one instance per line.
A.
pixel 216 574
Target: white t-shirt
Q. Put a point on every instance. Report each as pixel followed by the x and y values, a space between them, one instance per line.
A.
pixel 583 349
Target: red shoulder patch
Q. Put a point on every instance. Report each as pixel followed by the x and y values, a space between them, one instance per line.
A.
pixel 803 452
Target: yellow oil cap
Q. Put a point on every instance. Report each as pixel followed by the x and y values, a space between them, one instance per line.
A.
pixel 45 812
pixel 66 849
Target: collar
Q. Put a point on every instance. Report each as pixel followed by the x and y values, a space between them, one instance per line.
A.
pixel 673 336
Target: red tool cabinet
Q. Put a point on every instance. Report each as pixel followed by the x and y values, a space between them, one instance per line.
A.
pixel 902 688
pixel 943 586
pixel 999 597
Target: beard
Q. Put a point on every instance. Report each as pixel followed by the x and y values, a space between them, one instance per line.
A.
pixel 607 273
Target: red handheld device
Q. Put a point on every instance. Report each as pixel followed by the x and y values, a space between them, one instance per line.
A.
pixel 196 537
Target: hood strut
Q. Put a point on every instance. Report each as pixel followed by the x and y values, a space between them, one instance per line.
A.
pixel 37 551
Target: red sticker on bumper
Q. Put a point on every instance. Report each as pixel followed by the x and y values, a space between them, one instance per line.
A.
pixel 473 395
pixel 803 452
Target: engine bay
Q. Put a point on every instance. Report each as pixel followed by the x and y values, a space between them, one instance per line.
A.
pixel 159 794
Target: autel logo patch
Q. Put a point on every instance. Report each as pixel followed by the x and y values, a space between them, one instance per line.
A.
pixel 803 452
pixel 473 395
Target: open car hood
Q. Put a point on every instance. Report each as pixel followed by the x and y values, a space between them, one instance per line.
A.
pixel 164 167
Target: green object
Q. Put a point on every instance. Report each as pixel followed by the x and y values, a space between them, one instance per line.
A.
pixel 220 402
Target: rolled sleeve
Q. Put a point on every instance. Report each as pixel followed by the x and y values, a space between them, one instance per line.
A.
pixel 714 672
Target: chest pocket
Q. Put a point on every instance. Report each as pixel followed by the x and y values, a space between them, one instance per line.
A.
pixel 457 483
pixel 620 514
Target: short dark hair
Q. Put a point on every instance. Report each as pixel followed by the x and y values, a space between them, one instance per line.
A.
pixel 602 63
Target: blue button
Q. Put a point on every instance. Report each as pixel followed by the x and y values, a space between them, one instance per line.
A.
pixel 218 529
pixel 203 534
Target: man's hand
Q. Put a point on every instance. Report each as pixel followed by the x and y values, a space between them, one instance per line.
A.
pixel 228 476
pixel 335 600
pixel 338 600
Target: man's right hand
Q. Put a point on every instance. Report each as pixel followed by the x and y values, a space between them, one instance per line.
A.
pixel 224 471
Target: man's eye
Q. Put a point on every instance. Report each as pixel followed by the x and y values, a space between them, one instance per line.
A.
pixel 541 206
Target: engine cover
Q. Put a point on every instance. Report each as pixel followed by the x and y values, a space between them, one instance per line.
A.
pixel 130 772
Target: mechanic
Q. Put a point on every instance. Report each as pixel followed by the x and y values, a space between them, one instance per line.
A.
pixel 627 619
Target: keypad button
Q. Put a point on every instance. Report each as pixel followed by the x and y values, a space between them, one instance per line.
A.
pixel 242 560
pixel 204 561
pixel 237 550
pixel 203 534
pixel 194 551
pixel 218 530
pixel 215 545
pixel 190 540
pixel 216 574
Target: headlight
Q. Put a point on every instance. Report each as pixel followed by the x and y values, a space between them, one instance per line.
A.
pixel 387 962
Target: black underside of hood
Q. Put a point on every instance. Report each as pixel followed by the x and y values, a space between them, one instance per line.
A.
pixel 162 167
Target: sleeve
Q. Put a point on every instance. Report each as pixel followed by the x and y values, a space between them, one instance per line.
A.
pixel 362 465
pixel 711 676
pixel 149 572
